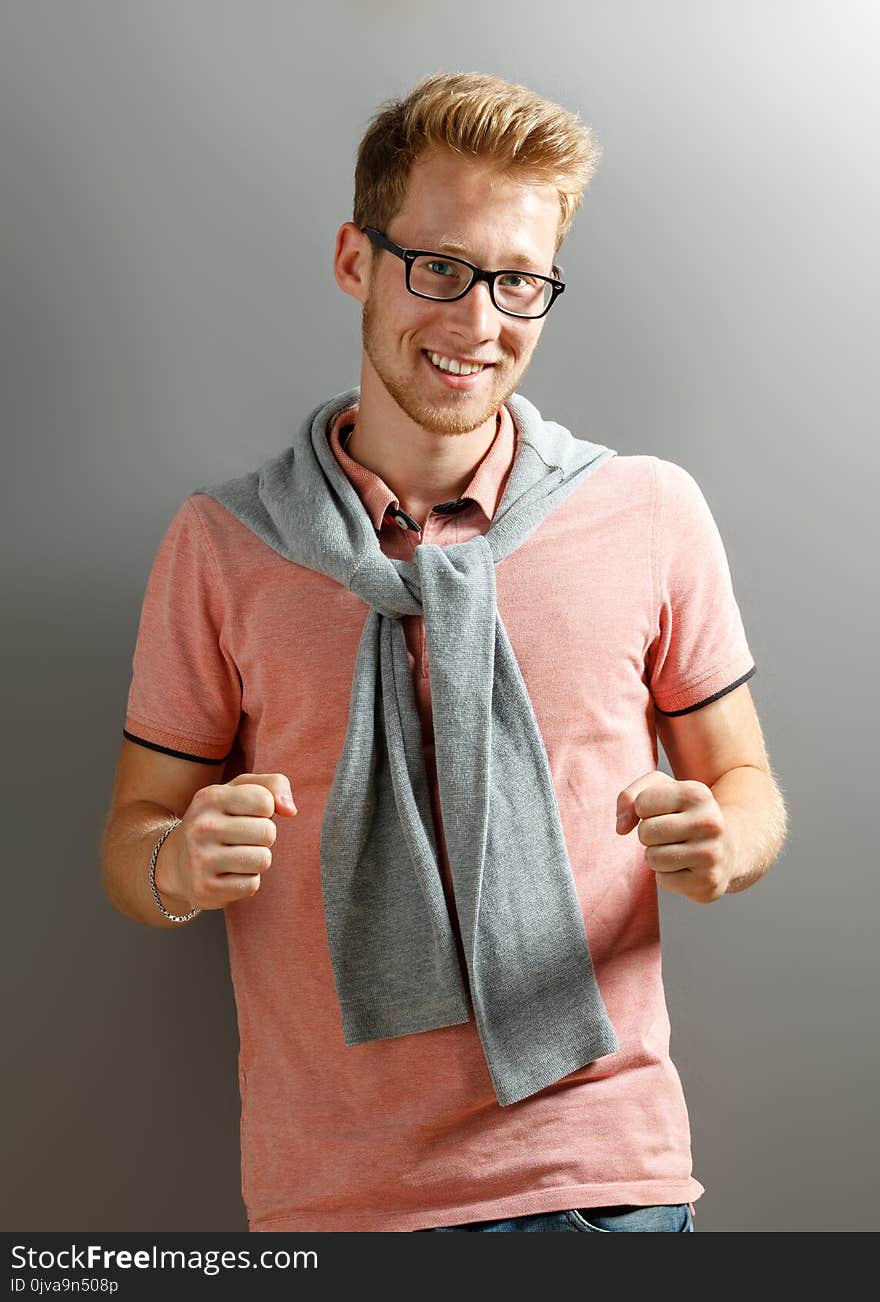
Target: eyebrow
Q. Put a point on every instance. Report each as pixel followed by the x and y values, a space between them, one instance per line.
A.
pixel 517 260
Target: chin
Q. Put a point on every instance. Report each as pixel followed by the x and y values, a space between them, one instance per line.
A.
pixel 452 421
pixel 460 416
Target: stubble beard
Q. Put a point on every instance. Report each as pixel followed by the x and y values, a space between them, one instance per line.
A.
pixel 437 418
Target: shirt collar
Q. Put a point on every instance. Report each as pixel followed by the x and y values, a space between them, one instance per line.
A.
pixel 483 493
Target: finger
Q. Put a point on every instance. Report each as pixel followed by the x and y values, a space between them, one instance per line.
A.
pixel 627 819
pixel 239 860
pixel 677 883
pixel 277 785
pixel 232 887
pixel 692 855
pixel 247 831
pixel 665 829
pixel 627 813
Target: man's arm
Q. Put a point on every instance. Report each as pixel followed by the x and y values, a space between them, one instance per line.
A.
pixel 151 790
pixel 722 746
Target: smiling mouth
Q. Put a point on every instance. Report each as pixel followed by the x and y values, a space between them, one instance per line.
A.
pixel 466 374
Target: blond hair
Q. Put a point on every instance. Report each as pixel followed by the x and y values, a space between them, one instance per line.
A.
pixel 481 116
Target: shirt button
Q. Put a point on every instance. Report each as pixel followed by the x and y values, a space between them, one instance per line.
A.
pixel 403 520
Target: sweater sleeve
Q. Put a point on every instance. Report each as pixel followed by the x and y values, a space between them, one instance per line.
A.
pixel 185 693
pixel 699 650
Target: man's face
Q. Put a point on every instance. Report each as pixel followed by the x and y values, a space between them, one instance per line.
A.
pixel 499 224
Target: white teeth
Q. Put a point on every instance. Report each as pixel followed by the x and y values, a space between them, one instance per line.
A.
pixel 456 368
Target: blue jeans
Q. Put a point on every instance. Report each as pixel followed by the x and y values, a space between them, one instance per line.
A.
pixel 585 1220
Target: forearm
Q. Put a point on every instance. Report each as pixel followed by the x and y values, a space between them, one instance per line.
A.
pixel 129 839
pixel 757 822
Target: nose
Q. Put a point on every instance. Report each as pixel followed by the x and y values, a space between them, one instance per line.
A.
pixel 475 317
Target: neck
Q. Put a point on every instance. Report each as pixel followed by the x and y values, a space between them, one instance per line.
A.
pixel 421 466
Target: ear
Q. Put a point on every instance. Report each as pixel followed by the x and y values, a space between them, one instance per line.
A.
pixel 352 261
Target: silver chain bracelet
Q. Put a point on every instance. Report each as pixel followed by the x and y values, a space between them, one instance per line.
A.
pixel 175 917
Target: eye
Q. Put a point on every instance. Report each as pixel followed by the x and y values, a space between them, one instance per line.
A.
pixel 437 262
pixel 523 281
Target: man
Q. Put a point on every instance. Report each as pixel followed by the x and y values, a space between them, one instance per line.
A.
pixel 454 912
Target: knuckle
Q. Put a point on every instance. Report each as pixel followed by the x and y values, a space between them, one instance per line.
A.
pixel 204 826
pixel 712 886
pixel 220 891
pixel 263 802
pixel 715 857
pixel 198 857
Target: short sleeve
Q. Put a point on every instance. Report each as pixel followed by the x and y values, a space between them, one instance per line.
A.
pixel 185 693
pixel 699 651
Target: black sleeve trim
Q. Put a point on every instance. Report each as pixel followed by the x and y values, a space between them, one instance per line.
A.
pixel 671 714
pixel 179 754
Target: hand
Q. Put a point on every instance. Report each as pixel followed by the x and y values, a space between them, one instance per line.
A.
pixel 685 831
pixel 222 845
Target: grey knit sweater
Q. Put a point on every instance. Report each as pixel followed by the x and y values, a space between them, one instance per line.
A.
pixel 529 982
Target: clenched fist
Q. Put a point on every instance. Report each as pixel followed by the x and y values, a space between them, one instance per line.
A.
pixel 223 843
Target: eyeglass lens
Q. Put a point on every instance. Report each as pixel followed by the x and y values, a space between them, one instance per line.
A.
pixel 516 291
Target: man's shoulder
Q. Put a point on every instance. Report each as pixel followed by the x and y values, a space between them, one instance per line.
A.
pixel 230 513
pixel 662 478
pixel 238 489
pixel 249 497
pixel 627 473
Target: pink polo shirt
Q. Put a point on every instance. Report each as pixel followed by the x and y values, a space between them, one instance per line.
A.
pixel 618 604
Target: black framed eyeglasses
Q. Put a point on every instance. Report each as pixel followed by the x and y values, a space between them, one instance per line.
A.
pixel 438 276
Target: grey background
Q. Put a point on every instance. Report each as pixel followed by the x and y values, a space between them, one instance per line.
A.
pixel 173 176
